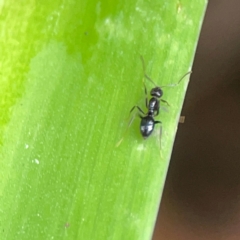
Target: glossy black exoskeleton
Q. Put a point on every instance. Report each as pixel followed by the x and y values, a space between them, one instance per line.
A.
pixel 153 106
pixel 147 119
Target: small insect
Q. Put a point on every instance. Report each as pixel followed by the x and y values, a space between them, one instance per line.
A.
pixel 148 122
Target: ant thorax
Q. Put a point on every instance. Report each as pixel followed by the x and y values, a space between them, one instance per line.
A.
pixel 153 106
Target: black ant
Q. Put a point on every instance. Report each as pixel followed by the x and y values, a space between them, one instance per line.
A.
pixel 153 105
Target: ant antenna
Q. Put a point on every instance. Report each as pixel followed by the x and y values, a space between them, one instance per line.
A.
pixel 144 72
pixel 170 85
pixel 175 84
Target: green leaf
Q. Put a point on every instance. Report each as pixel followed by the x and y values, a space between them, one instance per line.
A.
pixel 70 73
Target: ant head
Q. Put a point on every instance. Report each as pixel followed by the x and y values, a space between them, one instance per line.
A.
pixel 156 92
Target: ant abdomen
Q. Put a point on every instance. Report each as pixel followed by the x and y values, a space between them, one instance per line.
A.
pixel 146 126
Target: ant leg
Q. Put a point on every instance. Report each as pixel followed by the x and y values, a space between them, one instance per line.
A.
pixel 160 137
pixel 156 114
pixel 139 109
pixel 165 102
pixel 129 124
pixel 160 132
pixel 146 97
